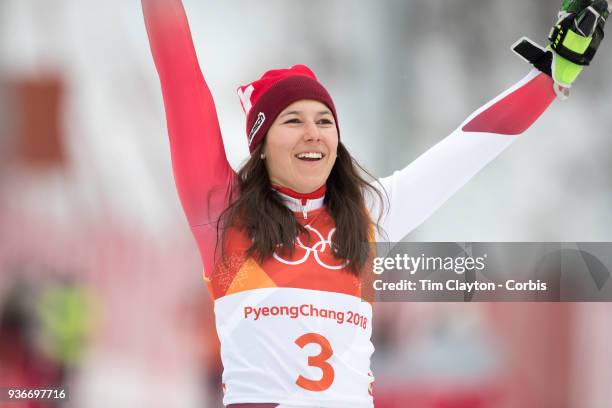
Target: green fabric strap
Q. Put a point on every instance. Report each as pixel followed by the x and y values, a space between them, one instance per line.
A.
pixel 575 42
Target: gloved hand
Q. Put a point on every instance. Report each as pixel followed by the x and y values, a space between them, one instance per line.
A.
pixel 573 42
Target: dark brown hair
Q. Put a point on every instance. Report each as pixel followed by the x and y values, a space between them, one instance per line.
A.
pixel 257 209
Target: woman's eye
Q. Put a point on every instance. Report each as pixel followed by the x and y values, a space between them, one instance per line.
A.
pixel 326 122
pixel 295 120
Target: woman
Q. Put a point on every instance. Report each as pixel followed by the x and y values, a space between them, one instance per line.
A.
pixel 282 240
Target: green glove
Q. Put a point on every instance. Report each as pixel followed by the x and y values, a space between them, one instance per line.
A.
pixel 574 40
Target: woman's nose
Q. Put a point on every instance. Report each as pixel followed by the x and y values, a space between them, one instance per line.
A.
pixel 311 132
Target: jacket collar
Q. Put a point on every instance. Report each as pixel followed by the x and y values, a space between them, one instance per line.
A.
pixel 301 202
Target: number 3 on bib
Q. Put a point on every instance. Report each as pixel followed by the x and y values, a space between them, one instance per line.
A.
pixel 320 361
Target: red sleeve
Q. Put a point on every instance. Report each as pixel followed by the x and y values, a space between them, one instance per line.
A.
pixel 202 173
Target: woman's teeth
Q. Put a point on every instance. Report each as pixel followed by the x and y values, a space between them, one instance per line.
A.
pixel 310 156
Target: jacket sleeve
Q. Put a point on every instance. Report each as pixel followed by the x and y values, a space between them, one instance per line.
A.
pixel 202 173
pixel 417 191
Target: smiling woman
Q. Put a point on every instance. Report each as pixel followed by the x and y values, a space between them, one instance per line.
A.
pixel 297 164
pixel 301 146
pixel 292 222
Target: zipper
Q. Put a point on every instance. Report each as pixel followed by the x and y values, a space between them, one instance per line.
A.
pixel 304 212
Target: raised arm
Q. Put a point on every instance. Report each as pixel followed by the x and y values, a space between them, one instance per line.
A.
pixel 418 190
pixel 421 188
pixel 202 173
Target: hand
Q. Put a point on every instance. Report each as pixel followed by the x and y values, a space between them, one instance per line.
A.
pixel 573 42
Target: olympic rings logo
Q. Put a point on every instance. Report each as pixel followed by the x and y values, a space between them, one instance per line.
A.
pixel 318 247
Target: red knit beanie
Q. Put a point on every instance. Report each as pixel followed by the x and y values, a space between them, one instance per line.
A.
pixel 264 99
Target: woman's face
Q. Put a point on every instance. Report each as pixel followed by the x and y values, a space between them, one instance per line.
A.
pixel 301 146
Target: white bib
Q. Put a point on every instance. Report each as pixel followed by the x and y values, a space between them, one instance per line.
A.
pixel 297 347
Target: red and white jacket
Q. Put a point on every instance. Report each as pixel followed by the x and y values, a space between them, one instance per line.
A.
pixel 294 330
